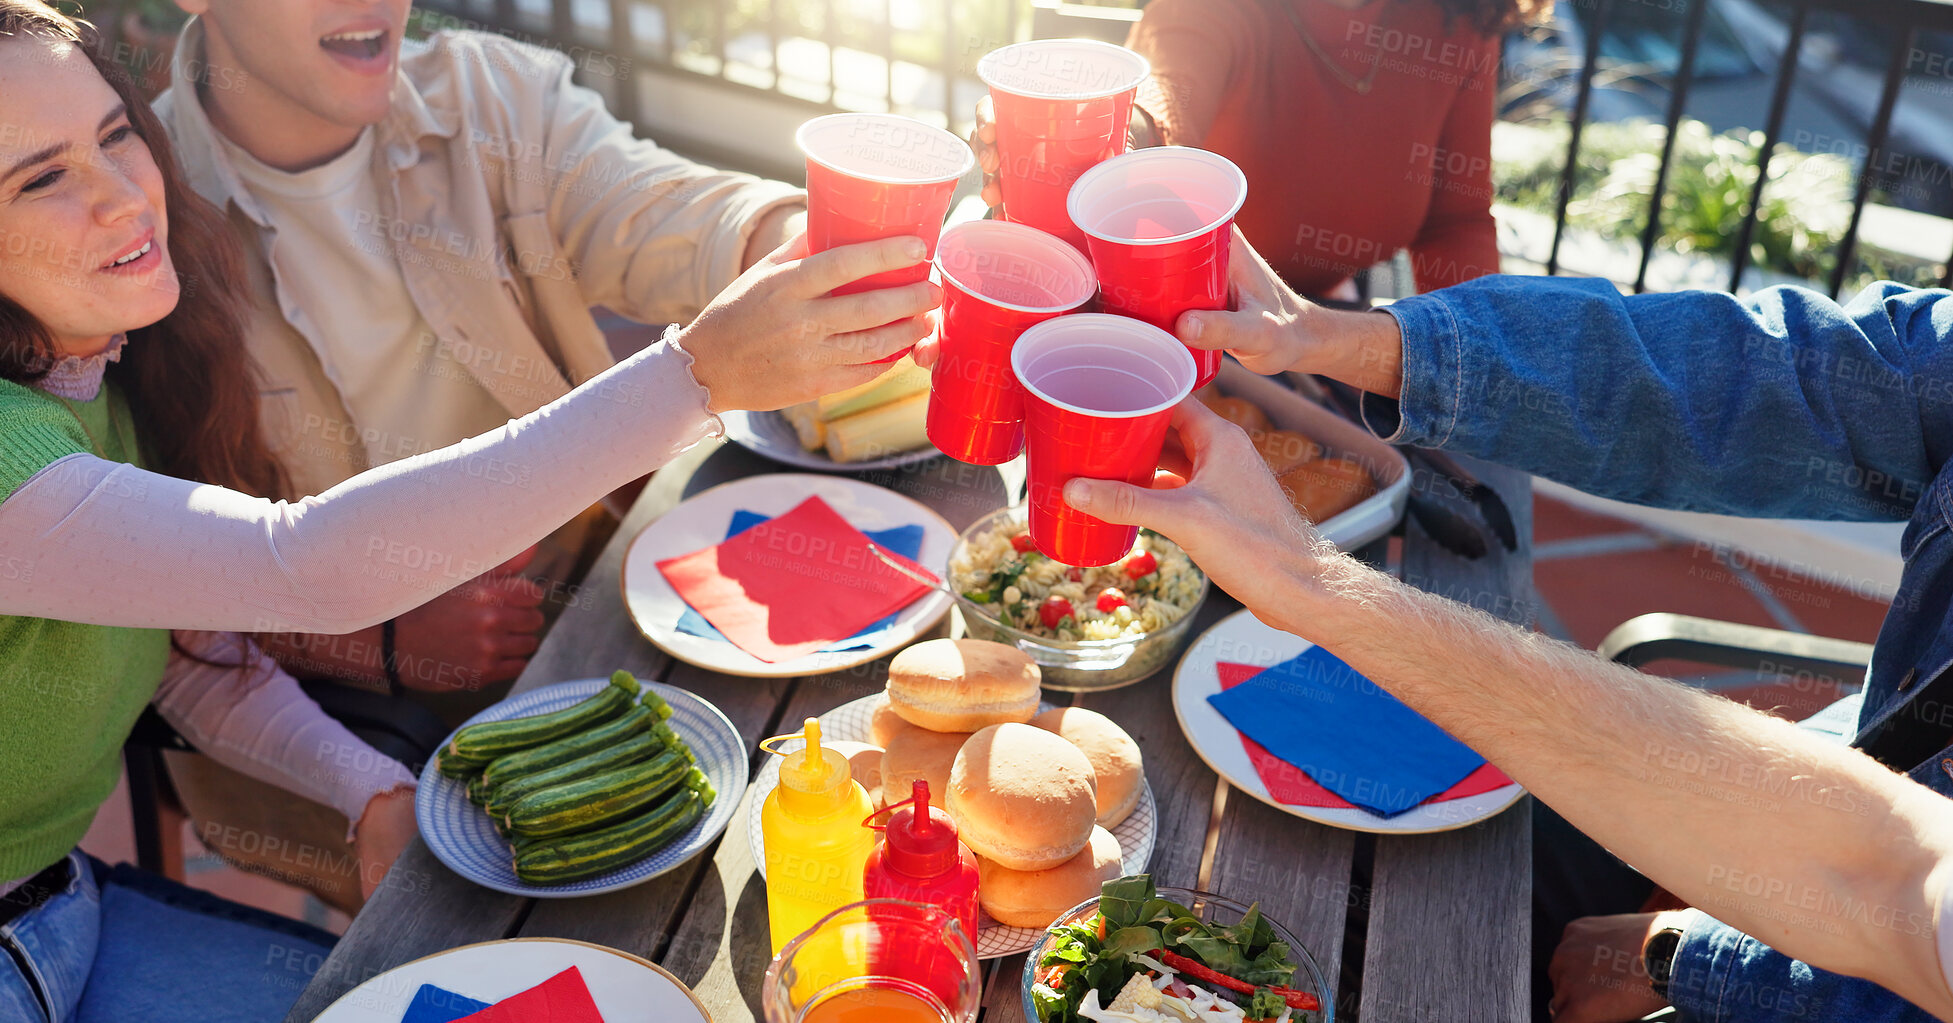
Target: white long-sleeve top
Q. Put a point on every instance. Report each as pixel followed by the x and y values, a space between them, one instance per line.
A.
pixel 106 543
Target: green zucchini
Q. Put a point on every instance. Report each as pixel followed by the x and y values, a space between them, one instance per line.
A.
pixel 510 766
pixel 459 768
pixel 614 755
pixel 478 791
pixel 494 738
pixel 572 857
pixel 600 798
pixel 696 780
pixel 657 704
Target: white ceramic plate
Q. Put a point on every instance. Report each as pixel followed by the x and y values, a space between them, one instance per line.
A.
pixel 1240 638
pixel 460 834
pixel 626 989
pixel 701 522
pixel 769 434
pixel 849 722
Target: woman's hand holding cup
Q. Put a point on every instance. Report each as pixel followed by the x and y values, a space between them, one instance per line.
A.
pixel 776 337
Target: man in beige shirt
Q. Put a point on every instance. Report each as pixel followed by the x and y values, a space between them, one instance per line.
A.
pixel 428 227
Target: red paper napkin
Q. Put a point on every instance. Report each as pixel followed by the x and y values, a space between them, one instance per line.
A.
pixel 793 584
pixel 1288 784
pixel 560 999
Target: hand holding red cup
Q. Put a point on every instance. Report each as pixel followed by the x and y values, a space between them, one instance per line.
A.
pixel 1099 393
pixel 1159 223
pixel 1062 106
pixel 874 176
pixel 999 280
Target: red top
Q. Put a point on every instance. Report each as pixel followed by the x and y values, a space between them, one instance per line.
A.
pixel 1338 179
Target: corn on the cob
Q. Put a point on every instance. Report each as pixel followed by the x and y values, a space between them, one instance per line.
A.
pixel 806 420
pixel 904 378
pixel 894 427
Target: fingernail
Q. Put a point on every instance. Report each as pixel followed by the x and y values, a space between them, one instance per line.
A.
pixel 1191 326
pixel 1078 494
pixel 915 249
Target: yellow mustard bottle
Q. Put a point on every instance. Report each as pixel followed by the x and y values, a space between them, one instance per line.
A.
pixel 816 848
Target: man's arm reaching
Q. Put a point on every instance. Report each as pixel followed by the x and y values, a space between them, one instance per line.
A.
pixel 1845 872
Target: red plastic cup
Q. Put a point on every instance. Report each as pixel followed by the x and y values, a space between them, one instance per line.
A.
pixel 1062 107
pixel 872 176
pixel 1159 223
pixel 999 280
pixel 1099 393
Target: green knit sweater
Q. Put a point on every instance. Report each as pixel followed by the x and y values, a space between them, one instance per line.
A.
pixel 69 693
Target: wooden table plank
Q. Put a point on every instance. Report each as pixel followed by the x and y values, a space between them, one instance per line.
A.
pixel 1450 914
pixel 1003 992
pixel 1451 925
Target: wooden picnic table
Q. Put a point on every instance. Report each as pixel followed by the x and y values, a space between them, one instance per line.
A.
pixel 1412 929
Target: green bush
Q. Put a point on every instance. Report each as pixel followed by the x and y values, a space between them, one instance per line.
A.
pixel 1805 211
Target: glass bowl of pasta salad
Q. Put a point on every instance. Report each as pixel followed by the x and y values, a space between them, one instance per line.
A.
pixel 1088 628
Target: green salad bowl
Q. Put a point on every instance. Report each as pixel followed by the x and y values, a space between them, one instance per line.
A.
pixel 1208 908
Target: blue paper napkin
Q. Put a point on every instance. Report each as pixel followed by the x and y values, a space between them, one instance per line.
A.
pixel 434 1005
pixel 1344 731
pixel 903 540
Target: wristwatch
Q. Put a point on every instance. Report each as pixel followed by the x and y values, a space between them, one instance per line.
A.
pixel 1658 957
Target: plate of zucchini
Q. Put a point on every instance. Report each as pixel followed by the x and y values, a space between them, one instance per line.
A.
pixel 581 787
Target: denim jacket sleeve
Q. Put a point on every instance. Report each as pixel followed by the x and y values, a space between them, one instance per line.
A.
pixel 1722 975
pixel 1782 404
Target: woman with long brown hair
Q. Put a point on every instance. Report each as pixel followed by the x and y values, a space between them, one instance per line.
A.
pixel 137 497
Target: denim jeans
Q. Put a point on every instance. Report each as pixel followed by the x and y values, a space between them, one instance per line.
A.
pixel 119 944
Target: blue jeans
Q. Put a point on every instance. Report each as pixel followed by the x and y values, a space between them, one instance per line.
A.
pixel 119 944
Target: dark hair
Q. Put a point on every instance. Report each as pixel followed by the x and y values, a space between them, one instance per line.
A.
pixel 1493 17
pixel 190 383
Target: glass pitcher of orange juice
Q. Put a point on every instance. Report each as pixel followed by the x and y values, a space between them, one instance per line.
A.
pixel 877 961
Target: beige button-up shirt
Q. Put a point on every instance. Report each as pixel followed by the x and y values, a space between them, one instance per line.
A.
pixel 514 202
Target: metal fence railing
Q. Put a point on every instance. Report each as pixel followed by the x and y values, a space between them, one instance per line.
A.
pixel 1902 20
pixel 918 57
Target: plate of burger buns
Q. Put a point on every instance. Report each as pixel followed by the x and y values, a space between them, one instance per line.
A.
pixel 1338 474
pixel 1052 800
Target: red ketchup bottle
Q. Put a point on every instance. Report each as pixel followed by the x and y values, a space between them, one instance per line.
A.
pixel 920 859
